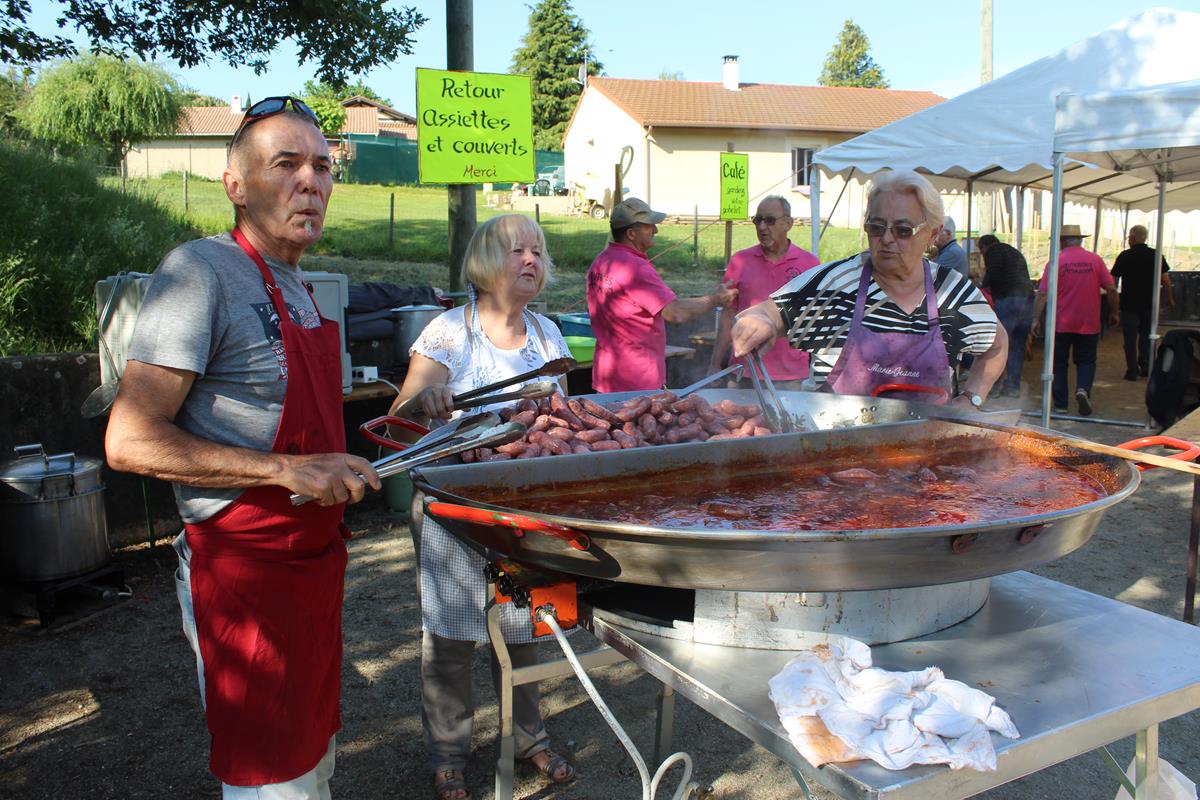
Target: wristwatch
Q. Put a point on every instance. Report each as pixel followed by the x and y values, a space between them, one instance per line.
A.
pixel 975 399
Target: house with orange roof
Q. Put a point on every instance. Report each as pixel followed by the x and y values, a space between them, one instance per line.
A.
pixel 203 132
pixel 667 135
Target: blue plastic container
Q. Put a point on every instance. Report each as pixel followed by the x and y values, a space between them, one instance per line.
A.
pixel 575 324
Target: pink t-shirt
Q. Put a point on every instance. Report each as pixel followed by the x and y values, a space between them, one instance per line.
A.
pixel 1082 277
pixel 756 278
pixel 625 297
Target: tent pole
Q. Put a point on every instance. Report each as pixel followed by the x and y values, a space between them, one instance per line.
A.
pixel 1019 224
pixel 1156 293
pixel 970 197
pixel 1096 227
pixel 814 203
pixel 1052 288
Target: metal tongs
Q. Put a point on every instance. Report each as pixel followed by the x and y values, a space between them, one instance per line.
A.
pixel 551 369
pixel 735 370
pixel 777 417
pixel 438 445
pixel 532 391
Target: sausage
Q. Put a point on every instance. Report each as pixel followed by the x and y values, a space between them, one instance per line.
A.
pixel 734 422
pixel 592 435
pixel 629 428
pixel 543 405
pixel 597 410
pixel 507 413
pixel 530 451
pixel 726 435
pixel 684 433
pixel 537 437
pixel 581 447
pixel 526 418
pixel 666 396
pixel 665 418
pixel 648 426
pixel 586 417
pixel 714 427
pixel 726 510
pixel 747 428
pixel 558 422
pixel 562 434
pixel 598 447
pixel 513 448
pixel 761 431
pixel 687 418
pixel 557 447
pixel 636 410
pixel 759 421
pixel 703 410
pixel 541 423
pixel 686 404
pixel 527 405
pixel 626 441
pixel 495 457
pixel 469 456
pixel 656 407
pixel 559 404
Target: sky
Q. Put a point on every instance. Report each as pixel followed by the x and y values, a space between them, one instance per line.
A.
pixel 920 46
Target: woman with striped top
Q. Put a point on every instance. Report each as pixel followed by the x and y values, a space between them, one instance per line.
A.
pixel 887 316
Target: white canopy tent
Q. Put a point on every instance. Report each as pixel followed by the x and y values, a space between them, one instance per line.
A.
pixel 1002 133
pixel 1149 134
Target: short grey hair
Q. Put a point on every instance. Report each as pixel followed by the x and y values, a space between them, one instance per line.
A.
pixel 783 201
pixel 906 181
pixel 1139 234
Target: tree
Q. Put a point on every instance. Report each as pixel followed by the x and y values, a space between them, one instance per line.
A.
pixel 849 63
pixel 104 102
pixel 326 99
pixel 342 37
pixel 190 97
pixel 670 75
pixel 14 92
pixel 552 53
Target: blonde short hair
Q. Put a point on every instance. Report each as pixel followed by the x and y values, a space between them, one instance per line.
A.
pixel 906 181
pixel 491 244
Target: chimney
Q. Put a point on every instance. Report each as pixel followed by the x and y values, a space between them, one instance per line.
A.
pixel 729 75
pixel 235 105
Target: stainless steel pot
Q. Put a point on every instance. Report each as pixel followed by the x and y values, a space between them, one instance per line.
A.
pixel 407 324
pixel 52 509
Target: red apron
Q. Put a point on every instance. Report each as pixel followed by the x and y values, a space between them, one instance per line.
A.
pixel 870 359
pixel 267 583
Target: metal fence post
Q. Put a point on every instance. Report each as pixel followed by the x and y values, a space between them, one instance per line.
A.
pixel 537 213
pixel 391 220
pixel 695 235
pixel 185 191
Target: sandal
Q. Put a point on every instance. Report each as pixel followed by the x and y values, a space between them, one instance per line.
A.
pixel 556 769
pixel 449 785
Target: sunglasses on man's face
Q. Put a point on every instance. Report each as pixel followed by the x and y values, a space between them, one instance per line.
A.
pixel 900 230
pixel 269 108
pixel 759 219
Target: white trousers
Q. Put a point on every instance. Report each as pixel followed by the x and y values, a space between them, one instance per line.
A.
pixel 312 785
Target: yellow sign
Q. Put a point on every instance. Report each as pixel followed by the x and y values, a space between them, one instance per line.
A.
pixel 474 127
pixel 735 186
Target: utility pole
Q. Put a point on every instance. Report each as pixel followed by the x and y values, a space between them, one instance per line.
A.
pixel 460 55
pixel 985 41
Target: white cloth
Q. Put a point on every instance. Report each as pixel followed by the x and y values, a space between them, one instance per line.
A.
pixel 836 707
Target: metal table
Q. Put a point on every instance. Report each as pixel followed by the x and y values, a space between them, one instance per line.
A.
pixel 1075 670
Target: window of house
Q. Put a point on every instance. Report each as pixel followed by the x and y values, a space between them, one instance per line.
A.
pixel 801 166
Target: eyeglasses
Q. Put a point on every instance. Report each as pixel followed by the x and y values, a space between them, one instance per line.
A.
pixel 901 230
pixel 269 107
pixel 759 219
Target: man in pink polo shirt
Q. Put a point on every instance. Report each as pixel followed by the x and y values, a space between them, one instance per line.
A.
pixel 757 272
pixel 628 304
pixel 1082 277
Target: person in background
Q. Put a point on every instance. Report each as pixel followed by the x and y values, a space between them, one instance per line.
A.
pixel 758 271
pixel 233 392
pixel 628 304
pixel 1134 270
pixel 949 252
pixel 1082 278
pixel 1006 277
pixel 492 337
pixel 887 316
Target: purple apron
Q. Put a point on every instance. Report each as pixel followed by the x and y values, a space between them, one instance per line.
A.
pixel 870 359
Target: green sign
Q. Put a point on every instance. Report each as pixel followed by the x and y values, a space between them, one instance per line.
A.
pixel 474 127
pixel 735 186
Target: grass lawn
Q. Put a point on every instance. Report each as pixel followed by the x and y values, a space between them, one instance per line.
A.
pixel 356 238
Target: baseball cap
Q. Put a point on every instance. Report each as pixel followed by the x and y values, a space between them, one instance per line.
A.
pixel 631 210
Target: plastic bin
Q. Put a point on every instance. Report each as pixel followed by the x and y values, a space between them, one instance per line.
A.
pixel 583 348
pixel 398 489
pixel 575 324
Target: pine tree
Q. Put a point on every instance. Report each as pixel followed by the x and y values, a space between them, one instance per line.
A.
pixel 551 54
pixel 849 63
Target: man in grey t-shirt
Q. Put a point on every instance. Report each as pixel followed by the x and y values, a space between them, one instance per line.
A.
pixel 233 393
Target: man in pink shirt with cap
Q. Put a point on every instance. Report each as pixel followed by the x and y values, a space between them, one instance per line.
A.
pixel 757 272
pixel 628 304
pixel 1082 277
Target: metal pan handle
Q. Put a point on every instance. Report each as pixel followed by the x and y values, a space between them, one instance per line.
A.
pixel 366 429
pixel 483 516
pixel 942 394
pixel 1188 450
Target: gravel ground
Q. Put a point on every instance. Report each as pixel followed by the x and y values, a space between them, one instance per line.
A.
pixel 104 704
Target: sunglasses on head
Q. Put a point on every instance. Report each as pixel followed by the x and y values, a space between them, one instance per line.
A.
pixel 269 107
pixel 900 230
